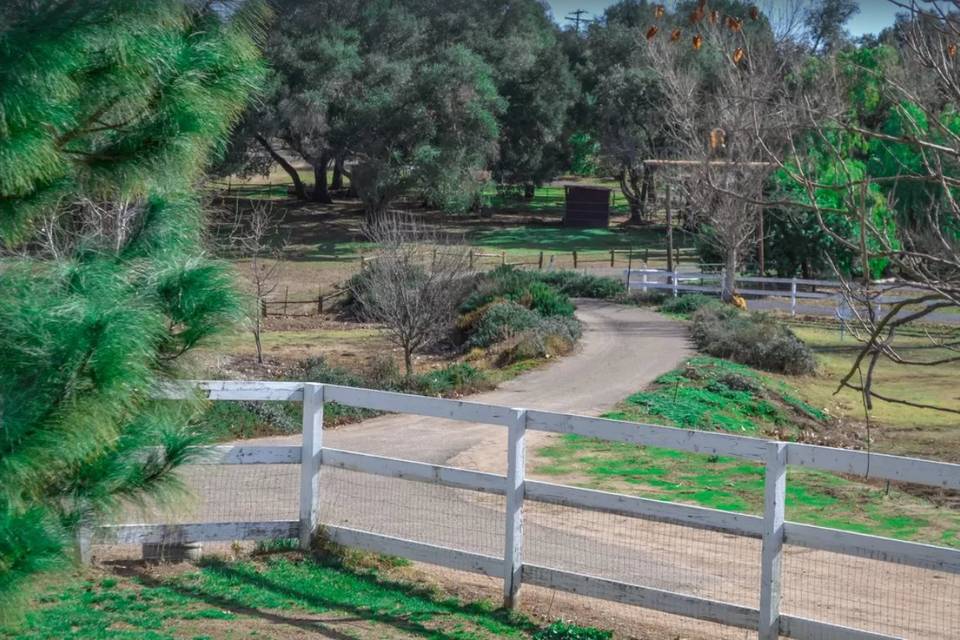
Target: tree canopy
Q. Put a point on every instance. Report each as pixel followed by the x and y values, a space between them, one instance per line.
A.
pixel 109 112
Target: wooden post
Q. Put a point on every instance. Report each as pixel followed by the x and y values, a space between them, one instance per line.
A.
pixel 471 258
pixel 646 256
pixel 611 257
pixel 513 546
pixel 311 461
pixel 574 259
pixel 319 299
pixel 433 260
pixel 540 264
pixel 286 295
pixel 669 230
pixel 793 296
pixel 771 561
pixel 629 268
pixel 760 254
pixel 503 258
pixel 363 262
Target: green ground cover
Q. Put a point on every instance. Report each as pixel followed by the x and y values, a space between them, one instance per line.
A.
pixel 720 396
pixel 268 597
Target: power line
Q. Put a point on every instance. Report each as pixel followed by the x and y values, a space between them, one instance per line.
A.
pixel 576 17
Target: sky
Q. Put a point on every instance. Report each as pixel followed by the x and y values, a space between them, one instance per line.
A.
pixel 874 15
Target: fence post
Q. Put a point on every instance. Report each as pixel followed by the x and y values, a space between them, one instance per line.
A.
pixel 540 264
pixel 611 257
pixel 771 561
pixel 793 296
pixel 574 259
pixel 676 283
pixel 644 281
pixel 629 268
pixel 503 258
pixel 513 547
pixel 83 541
pixel 319 299
pixel 286 295
pixel 471 258
pixel 310 461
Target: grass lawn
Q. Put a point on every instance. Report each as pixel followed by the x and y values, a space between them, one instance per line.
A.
pixel 720 396
pixel 901 429
pixel 281 596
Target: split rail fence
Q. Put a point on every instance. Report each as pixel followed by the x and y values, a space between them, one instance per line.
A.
pixel 771 529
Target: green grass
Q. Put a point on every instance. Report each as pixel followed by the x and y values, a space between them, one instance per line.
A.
pixel 716 395
pixel 271 598
pixel 566 239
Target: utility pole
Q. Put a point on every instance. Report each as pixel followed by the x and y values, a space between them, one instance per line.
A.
pixel 576 17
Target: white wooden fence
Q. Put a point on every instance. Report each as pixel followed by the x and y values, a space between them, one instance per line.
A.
pixel 771 528
pixel 794 289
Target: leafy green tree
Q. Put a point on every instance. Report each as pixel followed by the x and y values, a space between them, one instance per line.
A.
pixel 109 111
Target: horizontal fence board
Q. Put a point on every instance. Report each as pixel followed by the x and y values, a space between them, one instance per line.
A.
pixel 417 471
pixel 805 629
pixel 657 599
pixel 228 454
pixel 418 405
pixel 650 435
pixel 418 551
pixel 925 556
pixel 695 517
pixel 181 533
pixel 875 465
pixel 232 390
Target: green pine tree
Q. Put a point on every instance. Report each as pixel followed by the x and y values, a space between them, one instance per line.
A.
pixel 109 111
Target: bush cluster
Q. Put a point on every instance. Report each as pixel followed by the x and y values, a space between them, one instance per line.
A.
pixel 582 285
pixel 754 339
pixel 561 630
pixel 686 303
pixel 529 316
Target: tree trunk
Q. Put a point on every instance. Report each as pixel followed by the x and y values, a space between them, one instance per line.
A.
pixel 298 188
pixel 408 361
pixel 336 182
pixel 529 191
pixel 729 276
pixel 320 191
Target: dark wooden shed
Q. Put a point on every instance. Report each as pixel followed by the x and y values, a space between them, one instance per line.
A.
pixel 587 206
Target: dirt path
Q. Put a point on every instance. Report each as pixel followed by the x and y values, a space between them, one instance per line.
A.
pixel 623 350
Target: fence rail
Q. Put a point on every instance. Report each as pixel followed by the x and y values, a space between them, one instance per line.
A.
pixel 771 527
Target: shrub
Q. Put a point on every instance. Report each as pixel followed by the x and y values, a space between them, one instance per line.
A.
pixel 502 320
pixel 561 630
pixel 552 336
pixel 581 285
pixel 546 300
pixel 687 303
pixel 754 339
pixel 459 377
pixel 650 297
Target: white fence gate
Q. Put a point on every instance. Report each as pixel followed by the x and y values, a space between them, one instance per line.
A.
pixel 771 529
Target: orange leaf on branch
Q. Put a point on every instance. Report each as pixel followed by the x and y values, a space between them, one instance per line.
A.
pixel 651 32
pixel 675 35
pixel 738 55
pixel 697 42
pixel 658 11
pixel 734 24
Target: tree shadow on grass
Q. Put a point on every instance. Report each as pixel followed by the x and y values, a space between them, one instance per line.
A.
pixel 325 627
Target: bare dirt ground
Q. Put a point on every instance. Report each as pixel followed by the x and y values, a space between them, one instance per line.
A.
pixel 622 351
